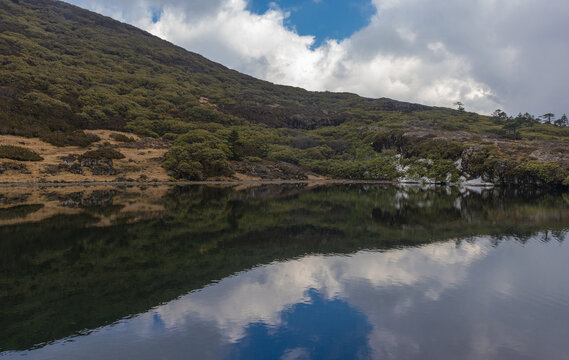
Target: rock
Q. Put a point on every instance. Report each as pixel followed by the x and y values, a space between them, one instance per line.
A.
pixel 17 167
pixel 69 159
pixel 103 169
pixel 52 169
pixel 75 169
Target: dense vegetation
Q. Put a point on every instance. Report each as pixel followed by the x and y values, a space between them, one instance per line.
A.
pixel 18 153
pixel 104 152
pixel 64 275
pixel 64 69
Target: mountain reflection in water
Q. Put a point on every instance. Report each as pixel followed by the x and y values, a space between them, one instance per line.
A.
pixel 409 274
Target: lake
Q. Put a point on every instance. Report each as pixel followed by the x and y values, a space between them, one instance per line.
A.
pixel 295 271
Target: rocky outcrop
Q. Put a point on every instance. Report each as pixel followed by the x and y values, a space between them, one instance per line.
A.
pixel 314 121
pixel 12 166
pixel 76 164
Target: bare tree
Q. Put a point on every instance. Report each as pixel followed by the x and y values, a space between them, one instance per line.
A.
pixel 459 106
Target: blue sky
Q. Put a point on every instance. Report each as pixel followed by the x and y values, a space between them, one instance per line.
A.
pixel 323 19
pixel 487 54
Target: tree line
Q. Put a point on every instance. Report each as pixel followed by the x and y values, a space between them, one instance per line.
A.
pixel 513 123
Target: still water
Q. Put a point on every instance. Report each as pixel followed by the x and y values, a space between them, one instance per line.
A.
pixel 284 272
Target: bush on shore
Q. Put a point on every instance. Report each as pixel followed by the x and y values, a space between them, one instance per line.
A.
pixel 18 153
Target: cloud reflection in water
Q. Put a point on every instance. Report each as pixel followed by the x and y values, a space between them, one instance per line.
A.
pixel 468 298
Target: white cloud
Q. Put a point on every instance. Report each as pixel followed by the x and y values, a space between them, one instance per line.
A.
pixel 487 54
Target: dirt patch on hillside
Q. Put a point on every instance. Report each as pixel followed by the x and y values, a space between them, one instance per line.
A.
pixel 142 160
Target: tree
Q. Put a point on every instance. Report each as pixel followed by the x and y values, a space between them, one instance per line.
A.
pixel 513 124
pixel 562 121
pixel 233 145
pixel 529 119
pixel 547 116
pixel 459 106
pixel 499 116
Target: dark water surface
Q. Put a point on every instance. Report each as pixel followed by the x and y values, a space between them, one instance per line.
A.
pixel 283 272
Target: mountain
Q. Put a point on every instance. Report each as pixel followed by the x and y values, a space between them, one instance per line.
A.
pixel 66 70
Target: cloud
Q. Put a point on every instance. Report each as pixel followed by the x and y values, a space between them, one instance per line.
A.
pixel 486 53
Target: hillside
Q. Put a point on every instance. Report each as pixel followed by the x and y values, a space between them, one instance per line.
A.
pixel 66 70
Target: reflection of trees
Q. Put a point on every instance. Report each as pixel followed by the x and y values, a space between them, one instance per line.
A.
pixel 86 276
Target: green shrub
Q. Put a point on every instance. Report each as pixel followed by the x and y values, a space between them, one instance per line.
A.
pixel 435 149
pixel 198 136
pixel 438 170
pixel 380 168
pixel 170 136
pixel 484 160
pixel 122 138
pixel 383 140
pixel 18 153
pixel 285 153
pixel 548 172
pixel 104 152
pixel 197 161
pixel 70 138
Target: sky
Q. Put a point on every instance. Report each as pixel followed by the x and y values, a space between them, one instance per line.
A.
pixel 488 54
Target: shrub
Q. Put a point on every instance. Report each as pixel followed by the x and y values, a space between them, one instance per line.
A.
pixel 197 160
pixel 104 152
pixel 18 153
pixel 302 141
pixel 198 136
pixel 548 172
pixel 254 159
pixel 484 160
pixel 435 149
pixel 122 138
pixel 438 170
pixel 285 153
pixel 70 138
pixel 379 168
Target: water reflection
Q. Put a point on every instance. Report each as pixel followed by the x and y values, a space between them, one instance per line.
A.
pixel 244 274
pixel 467 299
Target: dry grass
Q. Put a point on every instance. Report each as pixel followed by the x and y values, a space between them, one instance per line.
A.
pixel 137 162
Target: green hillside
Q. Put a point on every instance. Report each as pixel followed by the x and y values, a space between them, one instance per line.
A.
pixel 64 69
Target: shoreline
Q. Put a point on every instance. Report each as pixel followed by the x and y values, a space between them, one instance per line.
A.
pixel 202 182
pixel 224 182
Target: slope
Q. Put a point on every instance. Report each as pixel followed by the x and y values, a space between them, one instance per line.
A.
pixel 65 69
